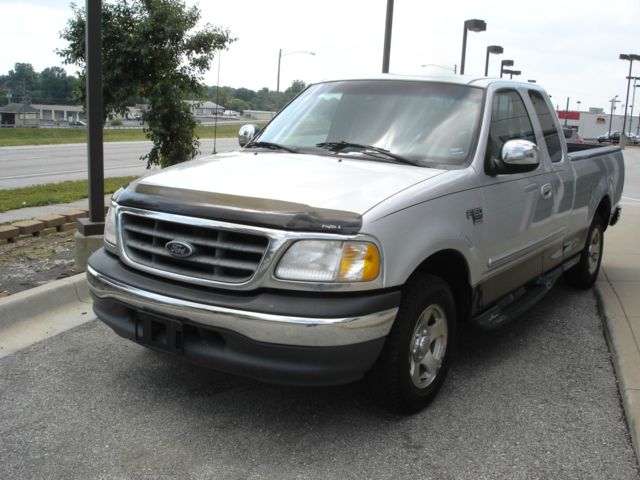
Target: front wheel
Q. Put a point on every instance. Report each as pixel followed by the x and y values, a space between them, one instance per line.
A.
pixel 417 353
pixel 584 274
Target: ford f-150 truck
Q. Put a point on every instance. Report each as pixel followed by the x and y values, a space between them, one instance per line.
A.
pixel 352 235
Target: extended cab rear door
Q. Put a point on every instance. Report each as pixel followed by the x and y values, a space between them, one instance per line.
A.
pixel 517 207
pixel 553 147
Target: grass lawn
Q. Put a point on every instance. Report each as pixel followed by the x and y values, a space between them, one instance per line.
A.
pixel 53 193
pixel 47 136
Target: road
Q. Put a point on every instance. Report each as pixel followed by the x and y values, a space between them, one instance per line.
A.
pixel 34 165
pixel 536 400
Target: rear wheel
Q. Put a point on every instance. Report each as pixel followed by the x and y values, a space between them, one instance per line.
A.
pixel 584 274
pixel 416 355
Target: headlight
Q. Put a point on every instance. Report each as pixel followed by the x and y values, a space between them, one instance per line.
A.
pixel 110 232
pixel 330 261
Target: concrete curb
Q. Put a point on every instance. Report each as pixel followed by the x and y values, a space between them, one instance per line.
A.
pixel 45 298
pixel 625 356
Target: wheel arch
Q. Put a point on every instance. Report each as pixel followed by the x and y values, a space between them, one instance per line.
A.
pixel 604 211
pixel 452 267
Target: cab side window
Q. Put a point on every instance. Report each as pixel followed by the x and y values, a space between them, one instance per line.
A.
pixel 509 121
pixel 549 130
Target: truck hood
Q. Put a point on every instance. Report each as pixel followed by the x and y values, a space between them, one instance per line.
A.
pixel 276 182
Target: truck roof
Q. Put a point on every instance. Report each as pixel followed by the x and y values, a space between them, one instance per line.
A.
pixel 476 81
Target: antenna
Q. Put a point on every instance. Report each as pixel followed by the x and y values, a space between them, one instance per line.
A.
pixel 215 120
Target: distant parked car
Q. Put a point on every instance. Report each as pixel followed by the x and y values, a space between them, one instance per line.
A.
pixel 614 137
pixel 77 123
pixel 231 113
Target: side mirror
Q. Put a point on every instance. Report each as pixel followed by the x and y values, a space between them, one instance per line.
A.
pixel 518 156
pixel 246 133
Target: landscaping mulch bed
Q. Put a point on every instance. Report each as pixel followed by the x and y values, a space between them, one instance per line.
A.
pixel 32 261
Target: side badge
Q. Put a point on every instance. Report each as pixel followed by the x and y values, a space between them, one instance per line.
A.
pixel 475 214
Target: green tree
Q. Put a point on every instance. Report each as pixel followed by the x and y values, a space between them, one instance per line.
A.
pixel 55 86
pixel 22 81
pixel 238 105
pixel 150 49
pixel 244 94
pixel 296 87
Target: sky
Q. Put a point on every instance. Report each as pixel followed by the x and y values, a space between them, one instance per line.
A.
pixel 569 47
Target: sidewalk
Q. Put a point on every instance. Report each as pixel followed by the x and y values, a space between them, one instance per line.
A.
pixel 619 290
pixel 33 212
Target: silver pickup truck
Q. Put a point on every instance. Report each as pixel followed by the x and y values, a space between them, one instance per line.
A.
pixel 353 234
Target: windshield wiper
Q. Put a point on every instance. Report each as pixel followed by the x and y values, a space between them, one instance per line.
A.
pixel 342 145
pixel 270 145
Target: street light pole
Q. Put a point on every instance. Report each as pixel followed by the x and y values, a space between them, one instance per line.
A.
pixel 566 113
pixel 474 25
pixel 94 225
pixel 505 63
pixel 280 55
pixel 386 52
pixel 279 59
pixel 612 101
pixel 631 57
pixel 511 73
pixel 633 102
pixel 495 49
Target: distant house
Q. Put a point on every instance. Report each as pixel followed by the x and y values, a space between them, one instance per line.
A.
pixel 18 115
pixel 204 108
pixel 57 113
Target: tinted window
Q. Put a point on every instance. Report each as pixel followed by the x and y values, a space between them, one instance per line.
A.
pixel 549 130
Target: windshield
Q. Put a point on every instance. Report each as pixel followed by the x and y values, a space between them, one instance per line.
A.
pixel 426 123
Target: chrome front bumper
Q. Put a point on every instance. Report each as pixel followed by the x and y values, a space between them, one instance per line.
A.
pixel 261 327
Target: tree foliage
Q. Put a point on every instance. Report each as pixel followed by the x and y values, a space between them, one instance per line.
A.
pixel 241 99
pixel 24 84
pixel 150 49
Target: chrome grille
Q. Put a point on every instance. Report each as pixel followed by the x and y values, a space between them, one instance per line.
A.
pixel 218 255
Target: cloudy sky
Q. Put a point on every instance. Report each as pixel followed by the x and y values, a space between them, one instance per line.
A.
pixel 570 47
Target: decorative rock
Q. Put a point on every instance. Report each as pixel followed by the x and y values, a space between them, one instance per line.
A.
pixel 29 226
pixel 66 227
pixel 74 215
pixel 9 232
pixel 52 220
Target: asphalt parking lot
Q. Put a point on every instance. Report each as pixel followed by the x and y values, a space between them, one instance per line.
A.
pixel 537 400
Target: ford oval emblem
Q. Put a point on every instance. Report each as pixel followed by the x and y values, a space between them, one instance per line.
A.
pixel 179 249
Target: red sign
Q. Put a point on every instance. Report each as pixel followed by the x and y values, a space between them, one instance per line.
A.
pixel 570 115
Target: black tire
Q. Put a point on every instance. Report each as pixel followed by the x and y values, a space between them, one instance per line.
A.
pixel 584 274
pixel 396 380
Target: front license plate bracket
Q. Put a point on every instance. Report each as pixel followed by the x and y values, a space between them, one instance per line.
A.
pixel 160 332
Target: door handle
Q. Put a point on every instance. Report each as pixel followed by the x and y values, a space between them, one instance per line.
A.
pixel 546 190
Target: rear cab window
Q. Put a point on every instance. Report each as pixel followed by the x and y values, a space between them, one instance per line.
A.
pixel 549 129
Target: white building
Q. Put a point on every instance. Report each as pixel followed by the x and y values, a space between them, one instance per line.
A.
pixel 591 125
pixel 204 108
pixel 57 113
